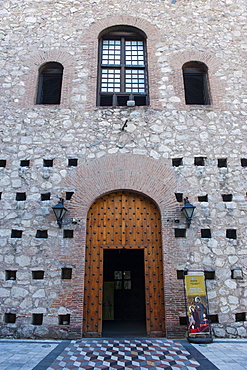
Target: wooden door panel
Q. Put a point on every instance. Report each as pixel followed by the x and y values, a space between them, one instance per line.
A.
pixel 123 220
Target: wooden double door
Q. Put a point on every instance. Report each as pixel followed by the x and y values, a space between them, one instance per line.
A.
pixel 123 264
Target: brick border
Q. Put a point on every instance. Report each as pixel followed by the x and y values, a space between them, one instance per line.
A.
pixel 90 41
pixel 31 78
pixel 216 85
pixel 155 179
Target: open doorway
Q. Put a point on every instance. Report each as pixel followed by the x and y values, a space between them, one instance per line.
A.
pixel 124 293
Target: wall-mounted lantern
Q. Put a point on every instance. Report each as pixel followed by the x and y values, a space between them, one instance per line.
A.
pixel 59 211
pixel 188 210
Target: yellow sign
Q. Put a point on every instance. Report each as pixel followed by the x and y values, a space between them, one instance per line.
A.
pixel 195 285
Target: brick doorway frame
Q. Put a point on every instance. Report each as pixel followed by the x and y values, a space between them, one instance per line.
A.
pixel 154 179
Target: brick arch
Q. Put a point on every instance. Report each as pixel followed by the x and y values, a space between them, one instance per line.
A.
pixel 154 179
pixel 31 79
pixel 90 40
pixel 217 86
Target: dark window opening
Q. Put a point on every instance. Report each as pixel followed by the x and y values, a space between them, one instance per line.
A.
pixel 122 67
pixel 50 83
pixel 0 195
pixel 16 233
pixel 222 162
pixel 180 233
pixel 64 319
pixel 48 162
pixel 38 275
pixel 214 319
pixel 10 275
pixel 68 233
pixel 179 197
pixel 182 320
pixel 203 198
pixel 41 234
pixel 196 85
pixel 181 274
pixel 243 162
pixel 3 163
pixel 226 197
pixel 25 163
pixel 20 196
pixel 69 195
pixel 66 273
pixel 209 275
pixel 240 316
pixel 231 234
pixel 205 233
pixel 10 318
pixel 37 318
pixel 199 161
pixel 176 162
pixel 72 162
pixel 45 196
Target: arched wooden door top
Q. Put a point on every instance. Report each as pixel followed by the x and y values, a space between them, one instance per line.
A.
pixel 123 220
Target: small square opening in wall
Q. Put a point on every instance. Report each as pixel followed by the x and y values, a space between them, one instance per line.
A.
pixel 48 162
pixel 244 162
pixel 203 198
pixel 179 197
pixel 20 197
pixel 41 234
pixel 69 195
pixel 16 233
pixel 25 163
pixel 214 319
pixel 72 162
pixel 205 233
pixel 226 197
pixel 45 196
pixel 182 320
pixel 222 162
pixel 10 274
pixel 199 161
pixel 38 274
pixel 240 316
pixel 64 319
pixel 3 163
pixel 181 274
pixel 231 233
pixel 68 234
pixel 37 318
pixel 180 233
pixel 176 162
pixel 10 318
pixel 237 273
pixel 66 273
pixel 209 275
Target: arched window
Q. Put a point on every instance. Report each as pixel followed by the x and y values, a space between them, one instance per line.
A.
pixel 196 85
pixel 50 83
pixel 122 76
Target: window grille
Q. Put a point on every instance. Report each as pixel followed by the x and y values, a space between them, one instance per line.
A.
pixel 122 67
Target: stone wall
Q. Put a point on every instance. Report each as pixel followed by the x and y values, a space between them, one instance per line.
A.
pixel 33 33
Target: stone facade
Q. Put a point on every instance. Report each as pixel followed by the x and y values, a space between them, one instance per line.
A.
pixel 121 148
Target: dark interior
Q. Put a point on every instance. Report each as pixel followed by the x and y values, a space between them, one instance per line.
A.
pixel 125 269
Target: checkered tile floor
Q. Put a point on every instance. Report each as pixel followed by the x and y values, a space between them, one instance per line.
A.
pixel 124 354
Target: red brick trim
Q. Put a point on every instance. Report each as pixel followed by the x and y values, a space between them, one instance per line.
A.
pixel 153 178
pixel 217 86
pixel 90 42
pixel 31 78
